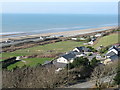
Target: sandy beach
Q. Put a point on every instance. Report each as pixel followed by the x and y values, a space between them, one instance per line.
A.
pixel 65 33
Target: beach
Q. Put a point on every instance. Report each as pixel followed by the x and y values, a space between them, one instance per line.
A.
pixel 65 33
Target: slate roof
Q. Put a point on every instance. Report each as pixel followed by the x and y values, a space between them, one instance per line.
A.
pixel 83 49
pixel 114 47
pixel 111 54
pixel 80 48
pixel 69 56
pixel 115 57
pixel 78 53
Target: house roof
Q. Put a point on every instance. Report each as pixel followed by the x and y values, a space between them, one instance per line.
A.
pixel 80 48
pixel 114 47
pixel 113 58
pixel 83 49
pixel 69 56
pixel 111 54
pixel 78 53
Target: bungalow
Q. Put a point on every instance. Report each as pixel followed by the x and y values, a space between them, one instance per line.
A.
pixel 67 58
pixel 98 35
pixel 73 38
pixel 111 59
pixel 56 36
pixel 91 43
pixel 113 51
pixel 79 54
pixel 82 39
pixel 59 65
pixel 81 49
pixel 18 58
pixel 42 38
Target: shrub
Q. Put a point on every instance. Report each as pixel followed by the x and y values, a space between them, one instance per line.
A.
pixel 94 62
pixel 79 61
pixel 117 77
pixel 92 49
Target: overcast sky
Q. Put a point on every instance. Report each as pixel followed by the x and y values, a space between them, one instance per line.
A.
pixel 61 7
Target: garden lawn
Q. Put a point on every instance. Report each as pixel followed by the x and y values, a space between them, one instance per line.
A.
pixel 107 40
pixel 29 62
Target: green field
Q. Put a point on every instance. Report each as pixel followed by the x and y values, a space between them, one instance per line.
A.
pixel 29 62
pixel 107 40
pixel 53 48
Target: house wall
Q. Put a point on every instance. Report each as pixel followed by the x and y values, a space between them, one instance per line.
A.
pixel 62 60
pixel 80 55
pixel 107 61
pixel 76 50
pixel 113 51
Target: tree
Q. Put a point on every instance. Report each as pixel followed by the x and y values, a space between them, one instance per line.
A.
pixel 97 75
pixel 70 66
pixel 33 77
pixel 94 62
pixel 92 49
pixel 104 74
pixel 80 61
pixel 117 77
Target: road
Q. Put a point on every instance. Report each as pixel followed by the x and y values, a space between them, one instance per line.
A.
pixel 90 84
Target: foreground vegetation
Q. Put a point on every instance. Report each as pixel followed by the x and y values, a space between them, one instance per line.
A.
pixel 46 77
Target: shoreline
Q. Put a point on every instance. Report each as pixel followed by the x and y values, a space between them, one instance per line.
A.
pixel 65 33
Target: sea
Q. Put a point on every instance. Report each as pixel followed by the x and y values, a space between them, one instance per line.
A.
pixel 48 23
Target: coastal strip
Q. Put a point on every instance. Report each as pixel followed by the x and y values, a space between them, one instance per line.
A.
pixel 65 33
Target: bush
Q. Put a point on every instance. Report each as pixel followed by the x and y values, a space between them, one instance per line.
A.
pixel 103 50
pixel 94 62
pixel 92 49
pixel 79 61
pixel 117 77
pixel 89 39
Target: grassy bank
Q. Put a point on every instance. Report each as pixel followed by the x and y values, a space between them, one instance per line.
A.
pixel 107 40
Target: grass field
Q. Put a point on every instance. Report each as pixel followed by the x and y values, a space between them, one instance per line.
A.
pixel 53 48
pixel 29 62
pixel 107 40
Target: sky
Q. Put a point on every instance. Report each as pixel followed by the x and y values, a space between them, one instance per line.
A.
pixel 59 0
pixel 59 7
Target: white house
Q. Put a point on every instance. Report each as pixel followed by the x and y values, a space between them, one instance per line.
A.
pixel 78 49
pixel 18 58
pixel 91 43
pixel 98 35
pixel 111 59
pixel 42 38
pixel 112 51
pixel 74 38
pixel 80 54
pixel 82 39
pixel 81 49
pixel 67 58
